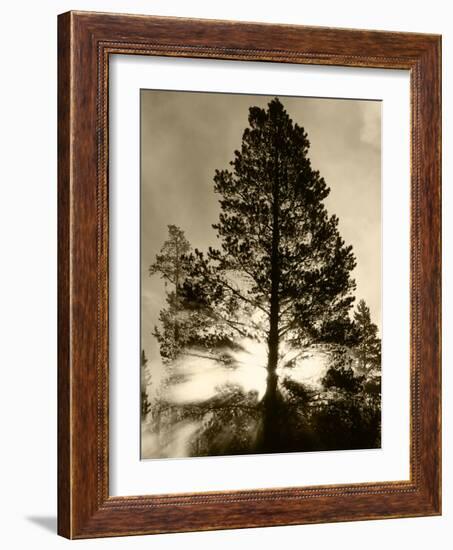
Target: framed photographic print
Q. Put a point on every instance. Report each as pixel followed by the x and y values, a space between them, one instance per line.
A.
pixel 249 275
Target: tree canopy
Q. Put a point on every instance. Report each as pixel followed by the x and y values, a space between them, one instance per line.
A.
pixel 280 251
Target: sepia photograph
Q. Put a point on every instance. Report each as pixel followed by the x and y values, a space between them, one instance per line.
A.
pixel 260 274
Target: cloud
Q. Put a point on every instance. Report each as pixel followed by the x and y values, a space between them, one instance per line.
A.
pixel 370 130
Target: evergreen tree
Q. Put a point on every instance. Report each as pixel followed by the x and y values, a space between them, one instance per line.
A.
pixel 282 272
pixel 183 323
pixel 169 264
pixel 368 349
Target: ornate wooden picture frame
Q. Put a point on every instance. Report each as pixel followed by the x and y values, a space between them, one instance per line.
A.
pixel 86 41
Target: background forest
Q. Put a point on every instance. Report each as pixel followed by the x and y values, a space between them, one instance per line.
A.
pixel 264 345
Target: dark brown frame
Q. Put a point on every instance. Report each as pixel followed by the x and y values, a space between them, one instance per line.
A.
pixel 85 42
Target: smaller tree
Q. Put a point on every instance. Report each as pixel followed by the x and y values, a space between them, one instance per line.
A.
pixel 170 261
pixel 169 264
pixel 368 348
pixel 195 316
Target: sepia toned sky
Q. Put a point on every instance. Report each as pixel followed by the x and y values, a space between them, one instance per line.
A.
pixel 185 136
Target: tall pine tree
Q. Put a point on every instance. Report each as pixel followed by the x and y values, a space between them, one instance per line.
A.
pixel 282 271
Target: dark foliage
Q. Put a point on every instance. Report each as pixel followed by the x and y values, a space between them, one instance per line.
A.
pixel 145 405
pixel 342 378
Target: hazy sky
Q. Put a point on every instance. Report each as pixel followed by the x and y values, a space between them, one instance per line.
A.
pixel 185 136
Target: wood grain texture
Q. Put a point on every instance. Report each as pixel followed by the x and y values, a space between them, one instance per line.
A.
pixel 86 40
pixel 64 390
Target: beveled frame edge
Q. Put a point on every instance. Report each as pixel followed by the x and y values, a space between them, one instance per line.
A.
pixel 85 42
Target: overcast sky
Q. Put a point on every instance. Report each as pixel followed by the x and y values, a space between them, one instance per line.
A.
pixel 185 136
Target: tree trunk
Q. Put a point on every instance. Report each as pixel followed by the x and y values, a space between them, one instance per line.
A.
pixel 270 434
pixel 270 400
